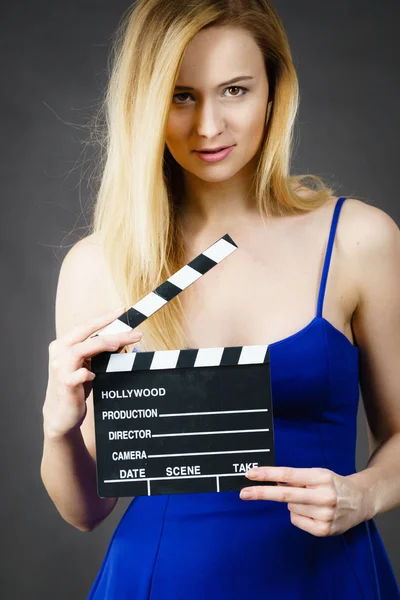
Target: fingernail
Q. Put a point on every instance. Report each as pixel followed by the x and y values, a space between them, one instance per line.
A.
pixel 251 473
pixel 246 494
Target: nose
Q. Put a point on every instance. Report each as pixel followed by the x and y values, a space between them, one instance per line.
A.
pixel 209 121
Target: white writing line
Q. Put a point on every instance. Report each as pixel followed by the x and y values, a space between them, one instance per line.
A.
pixel 202 453
pixel 208 432
pixel 214 412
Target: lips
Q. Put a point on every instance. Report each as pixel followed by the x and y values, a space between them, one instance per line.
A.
pixel 214 157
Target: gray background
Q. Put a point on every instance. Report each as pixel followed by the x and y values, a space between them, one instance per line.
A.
pixel 53 60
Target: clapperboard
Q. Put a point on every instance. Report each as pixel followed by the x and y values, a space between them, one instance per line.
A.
pixel 181 421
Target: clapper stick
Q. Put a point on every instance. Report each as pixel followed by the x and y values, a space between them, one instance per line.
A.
pixel 175 284
pixel 168 290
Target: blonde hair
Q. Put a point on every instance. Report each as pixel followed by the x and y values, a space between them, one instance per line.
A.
pixel 136 213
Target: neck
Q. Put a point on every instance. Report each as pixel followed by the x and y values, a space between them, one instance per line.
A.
pixel 211 204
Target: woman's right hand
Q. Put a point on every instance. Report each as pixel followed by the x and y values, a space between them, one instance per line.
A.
pixel 70 377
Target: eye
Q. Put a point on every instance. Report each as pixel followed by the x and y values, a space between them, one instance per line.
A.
pixel 238 87
pixel 232 87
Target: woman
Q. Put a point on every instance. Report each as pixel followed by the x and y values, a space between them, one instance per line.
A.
pixel 160 203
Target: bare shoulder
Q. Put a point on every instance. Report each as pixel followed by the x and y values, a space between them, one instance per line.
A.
pixel 86 260
pixel 85 286
pixel 367 235
pixel 367 227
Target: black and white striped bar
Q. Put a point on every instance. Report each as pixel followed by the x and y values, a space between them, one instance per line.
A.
pixel 175 284
pixel 173 359
pixel 183 421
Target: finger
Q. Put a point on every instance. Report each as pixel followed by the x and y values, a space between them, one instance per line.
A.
pixel 322 513
pixel 291 475
pixel 286 493
pixel 318 528
pixel 92 346
pixel 80 332
pixel 82 375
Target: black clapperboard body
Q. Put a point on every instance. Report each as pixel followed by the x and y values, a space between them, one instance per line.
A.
pixel 181 421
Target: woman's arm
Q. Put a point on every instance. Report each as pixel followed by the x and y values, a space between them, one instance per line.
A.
pixel 68 467
pixel 68 473
pixel 376 327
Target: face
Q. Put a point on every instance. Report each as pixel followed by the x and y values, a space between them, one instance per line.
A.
pixel 207 112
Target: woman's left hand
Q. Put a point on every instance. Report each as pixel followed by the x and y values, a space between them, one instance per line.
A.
pixel 320 501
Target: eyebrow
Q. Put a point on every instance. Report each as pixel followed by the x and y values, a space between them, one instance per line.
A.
pixel 234 80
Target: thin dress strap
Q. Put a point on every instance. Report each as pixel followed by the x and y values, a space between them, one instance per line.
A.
pixel 328 255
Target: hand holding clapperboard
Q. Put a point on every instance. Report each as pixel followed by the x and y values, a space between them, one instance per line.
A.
pixel 180 421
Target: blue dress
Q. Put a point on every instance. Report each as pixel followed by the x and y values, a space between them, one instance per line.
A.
pixel 216 546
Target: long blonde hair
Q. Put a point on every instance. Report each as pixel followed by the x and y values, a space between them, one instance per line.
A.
pixel 136 213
